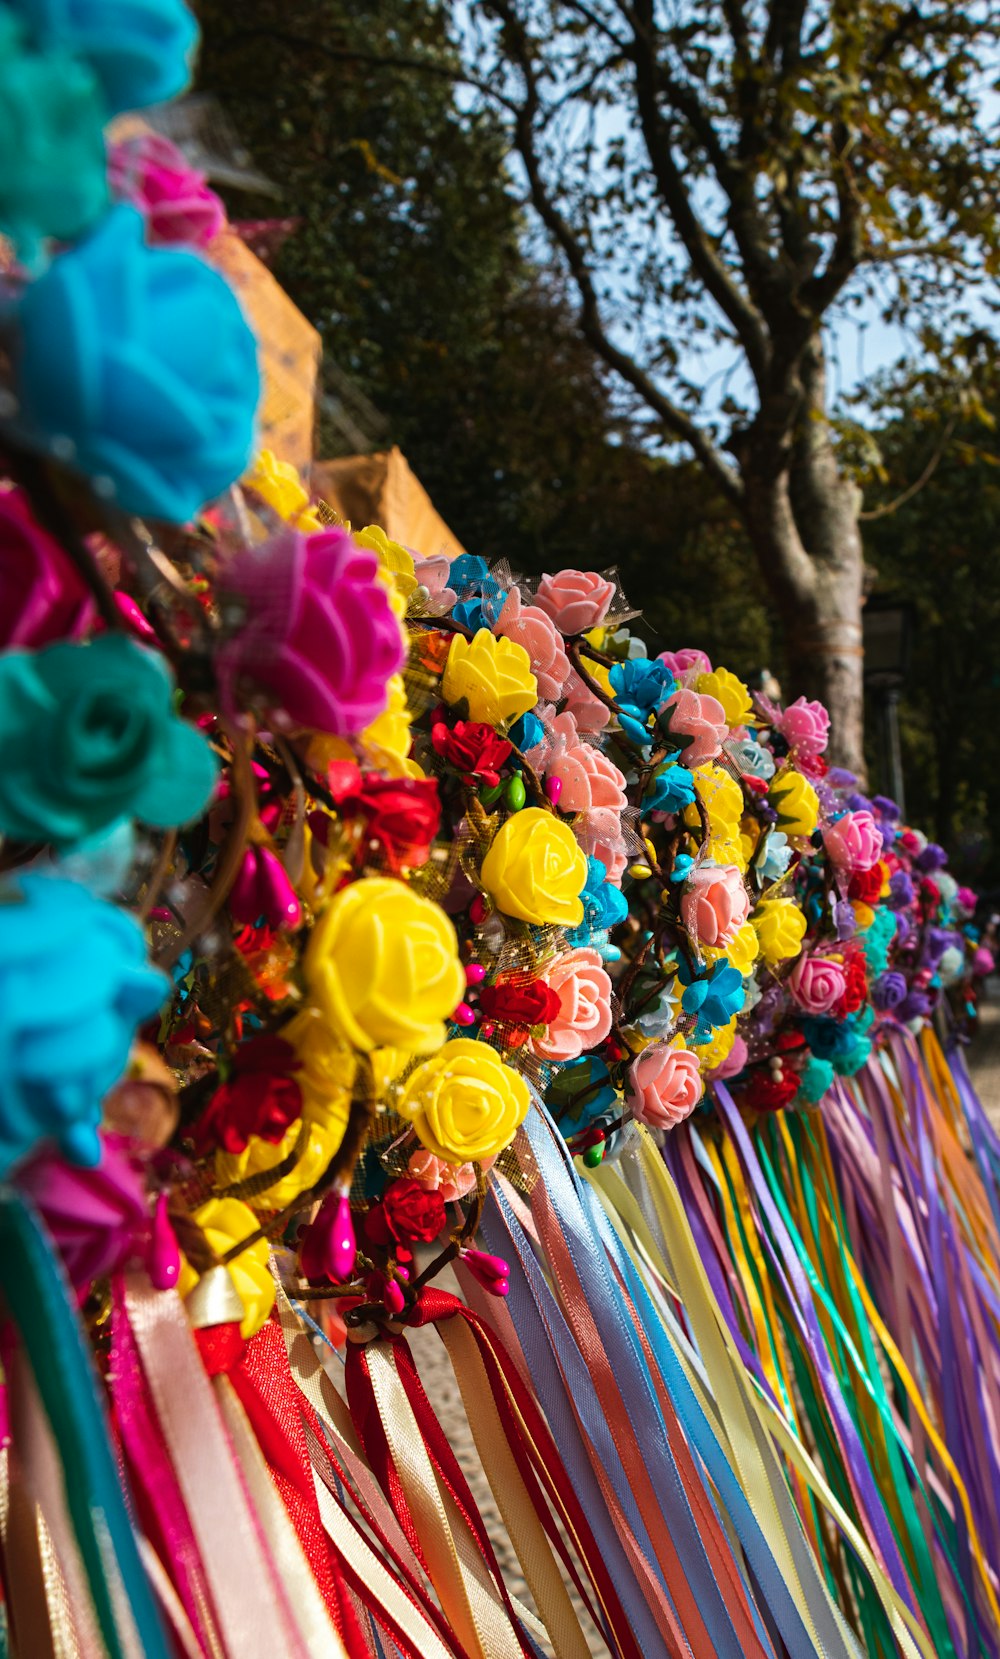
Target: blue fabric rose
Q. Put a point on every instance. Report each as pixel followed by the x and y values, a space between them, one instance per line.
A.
pixel 526 732
pixel 815 1079
pixel 579 1094
pixel 641 684
pixel 672 790
pixel 53 167
pixel 89 736
pixel 74 984
pixel 136 366
pixel 844 1043
pixel 776 857
pixel 140 50
pixel 714 996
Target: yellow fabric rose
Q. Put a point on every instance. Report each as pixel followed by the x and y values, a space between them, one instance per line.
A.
pixel 864 915
pixel 493 675
pixel 465 1104
pixel 535 870
pixel 224 1221
pixel 382 967
pixel 742 950
pixel 796 802
pixel 730 692
pixel 326 1069
pixel 386 742
pixel 393 557
pixel 722 799
pixel 278 483
pixel 712 1054
pixel 781 928
pixel 259 1156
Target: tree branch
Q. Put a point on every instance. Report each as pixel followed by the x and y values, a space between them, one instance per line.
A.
pixel 889 507
pixel 674 419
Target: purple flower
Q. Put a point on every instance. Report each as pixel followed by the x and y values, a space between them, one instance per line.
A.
pixel 885 808
pixel 319 633
pixel 889 990
pixel 932 858
pixel 915 1006
pixel 845 919
pixel 900 890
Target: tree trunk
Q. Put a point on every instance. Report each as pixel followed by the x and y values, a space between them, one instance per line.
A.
pixel 802 515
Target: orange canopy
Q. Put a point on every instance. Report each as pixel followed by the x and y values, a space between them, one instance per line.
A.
pixel 381 489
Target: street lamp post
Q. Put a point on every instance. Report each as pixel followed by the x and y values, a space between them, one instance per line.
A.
pixel 888 638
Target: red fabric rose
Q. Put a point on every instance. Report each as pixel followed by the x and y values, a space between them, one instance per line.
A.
pixel 528 1004
pixel 855 984
pixel 473 748
pixel 767 1091
pixel 408 1214
pixel 261 1098
pixel 866 885
pixel 403 815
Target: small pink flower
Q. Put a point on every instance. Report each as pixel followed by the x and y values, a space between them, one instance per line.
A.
pixel 584 1019
pixel 529 626
pixel 665 1086
pixel 433 574
pixel 685 665
pixel 701 718
pixel 42 599
pixel 172 196
pixel 452 1181
pixel 715 904
pixel 319 633
pixel 854 842
pixel 817 983
pixel 983 962
pixel 590 714
pixel 599 834
pixel 589 778
pixel 805 727
pixel 576 600
pixel 734 1062
pixel 967 899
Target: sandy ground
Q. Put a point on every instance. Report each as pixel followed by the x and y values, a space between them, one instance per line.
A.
pixel 983 1053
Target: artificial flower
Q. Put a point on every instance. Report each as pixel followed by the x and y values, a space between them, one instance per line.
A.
pixel 805 726
pixel 575 599
pixel 523 1003
pixel 397 561
pixel 730 693
pixel 410 1213
pixel 117 343
pixel 402 816
pixel 278 483
pixel 700 722
pixel 795 801
pixel 307 1146
pixel 318 632
pixel 853 842
pixel 261 1097
pixel 173 197
pixel 89 736
pixel 686 664
pixel 817 983
pixel 715 903
pixel 491 676
pixel 780 927
pixel 665 1085
pixel 226 1222
pixel 534 629
pixel 589 778
pixel 466 1103
pixel 535 870
pixel 99 1217
pixel 382 966
pixel 473 748
pixel 671 789
pixel 582 1019
pixel 452 1181
pixel 42 596
pixel 432 576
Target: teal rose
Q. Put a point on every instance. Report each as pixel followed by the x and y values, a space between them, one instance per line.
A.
pixel 89 736
pixel 141 51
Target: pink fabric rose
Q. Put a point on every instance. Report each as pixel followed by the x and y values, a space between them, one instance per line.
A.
pixel 319 632
pixel 172 196
pixel 734 1062
pixel 665 1086
pixel 584 1018
pixel 966 898
pixel 589 778
pixel 686 664
pixel 805 727
pixel 432 574
pixel 817 983
pixel 599 834
pixel 854 842
pixel 42 599
pixel 452 1181
pixel 528 626
pixel 715 903
pixel 701 718
pixel 590 714
pixel 576 600
pixel 99 1218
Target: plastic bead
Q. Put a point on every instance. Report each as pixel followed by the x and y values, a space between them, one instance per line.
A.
pixel 516 795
